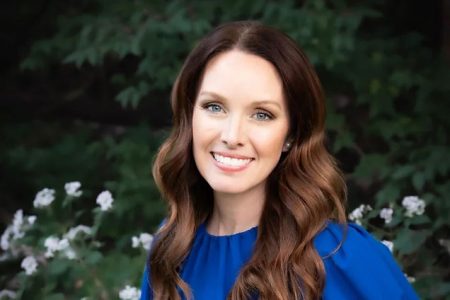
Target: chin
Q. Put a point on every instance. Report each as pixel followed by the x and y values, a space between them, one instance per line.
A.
pixel 228 188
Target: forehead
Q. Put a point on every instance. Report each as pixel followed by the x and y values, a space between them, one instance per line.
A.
pixel 239 75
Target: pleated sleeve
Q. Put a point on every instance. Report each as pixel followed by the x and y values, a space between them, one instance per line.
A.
pixel 361 268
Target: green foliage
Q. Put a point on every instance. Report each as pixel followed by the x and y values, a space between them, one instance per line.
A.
pixel 162 34
pixel 77 265
pixel 387 98
pixel 123 162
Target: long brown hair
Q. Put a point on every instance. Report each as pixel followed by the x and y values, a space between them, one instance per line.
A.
pixel 304 191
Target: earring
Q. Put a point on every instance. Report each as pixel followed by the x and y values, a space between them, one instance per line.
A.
pixel 287 146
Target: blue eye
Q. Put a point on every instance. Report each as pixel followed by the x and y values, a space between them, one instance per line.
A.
pixel 215 108
pixel 262 116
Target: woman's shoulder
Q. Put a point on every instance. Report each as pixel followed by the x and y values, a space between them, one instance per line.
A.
pixel 349 236
pixel 358 266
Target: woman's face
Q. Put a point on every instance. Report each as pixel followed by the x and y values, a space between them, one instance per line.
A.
pixel 240 122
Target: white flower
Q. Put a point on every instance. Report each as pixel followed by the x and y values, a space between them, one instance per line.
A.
pixel 73 232
pixel 18 219
pixel 51 243
pixel 7 293
pixel 29 264
pixel 63 244
pixel 410 278
pixel 4 243
pixel 135 242
pixel 17 225
pixel 386 214
pixel 54 244
pixel 357 214
pixel 144 239
pixel 413 206
pixel 130 293
pixel 70 253
pixel 388 244
pixel 31 219
pixel 44 198
pixel 105 200
pixel 72 188
pixel 17 229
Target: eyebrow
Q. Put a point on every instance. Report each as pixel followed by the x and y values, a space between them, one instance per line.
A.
pixel 259 102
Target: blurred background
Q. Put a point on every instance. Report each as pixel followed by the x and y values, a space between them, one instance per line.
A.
pixel 84 96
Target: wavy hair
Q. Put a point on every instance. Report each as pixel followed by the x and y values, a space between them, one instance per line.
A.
pixel 304 191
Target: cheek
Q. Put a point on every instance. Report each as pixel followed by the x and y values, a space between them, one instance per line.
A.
pixel 269 141
pixel 198 125
pixel 202 131
pixel 196 136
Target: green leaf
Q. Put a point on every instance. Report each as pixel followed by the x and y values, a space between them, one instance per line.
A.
pixel 344 139
pixel 418 220
pixel 58 266
pixel 418 181
pixel 93 257
pixel 403 171
pixel 441 289
pixel 374 86
pixel 55 297
pixel 369 165
pixel 390 193
pixel 408 241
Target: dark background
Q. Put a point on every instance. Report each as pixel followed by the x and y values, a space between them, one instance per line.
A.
pixel 85 85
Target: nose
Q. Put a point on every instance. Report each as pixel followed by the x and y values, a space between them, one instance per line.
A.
pixel 233 132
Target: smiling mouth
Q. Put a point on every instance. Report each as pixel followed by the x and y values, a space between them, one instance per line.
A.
pixel 231 161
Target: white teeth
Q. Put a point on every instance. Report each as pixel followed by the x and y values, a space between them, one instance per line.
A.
pixel 232 162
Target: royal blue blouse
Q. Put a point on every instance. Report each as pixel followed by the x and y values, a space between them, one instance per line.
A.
pixel 362 268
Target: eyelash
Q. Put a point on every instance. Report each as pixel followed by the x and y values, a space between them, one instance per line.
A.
pixel 209 106
pixel 266 115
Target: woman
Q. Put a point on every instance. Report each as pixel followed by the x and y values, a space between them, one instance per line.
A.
pixel 256 203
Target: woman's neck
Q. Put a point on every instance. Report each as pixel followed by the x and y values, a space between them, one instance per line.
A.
pixel 234 213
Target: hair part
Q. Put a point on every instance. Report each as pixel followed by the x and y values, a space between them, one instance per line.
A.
pixel 304 191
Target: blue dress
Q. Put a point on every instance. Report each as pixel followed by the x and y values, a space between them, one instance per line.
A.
pixel 362 268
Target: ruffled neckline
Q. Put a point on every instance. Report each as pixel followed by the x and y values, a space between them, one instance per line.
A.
pixel 248 232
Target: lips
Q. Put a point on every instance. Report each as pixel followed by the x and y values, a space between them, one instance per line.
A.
pixel 231 161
